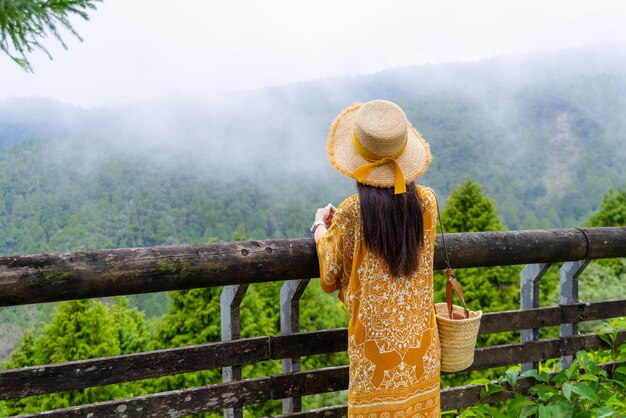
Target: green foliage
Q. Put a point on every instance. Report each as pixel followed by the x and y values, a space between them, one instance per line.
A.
pixel 488 289
pixel 24 23
pixel 468 210
pixel 604 279
pixel 92 207
pixel 194 318
pixel 124 201
pixel 613 209
pixel 545 150
pixel 583 389
pixel 80 330
pixel 15 320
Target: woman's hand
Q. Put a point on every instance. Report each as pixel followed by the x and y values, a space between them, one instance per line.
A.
pixel 325 215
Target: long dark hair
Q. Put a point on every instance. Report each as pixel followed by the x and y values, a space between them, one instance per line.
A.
pixel 393 226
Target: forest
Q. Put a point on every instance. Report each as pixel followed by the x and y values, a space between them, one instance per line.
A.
pixel 112 326
pixel 546 143
pixel 545 151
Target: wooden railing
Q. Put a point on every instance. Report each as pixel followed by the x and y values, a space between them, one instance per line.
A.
pixel 53 277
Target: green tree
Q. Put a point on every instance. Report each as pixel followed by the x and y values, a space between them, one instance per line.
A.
pixel 193 317
pixel 468 210
pixel 604 279
pixel 613 209
pixel 612 212
pixel 489 289
pixel 24 23
pixel 80 330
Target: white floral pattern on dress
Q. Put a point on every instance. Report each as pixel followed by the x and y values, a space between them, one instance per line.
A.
pixel 393 343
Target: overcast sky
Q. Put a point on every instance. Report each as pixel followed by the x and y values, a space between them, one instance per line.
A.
pixel 140 49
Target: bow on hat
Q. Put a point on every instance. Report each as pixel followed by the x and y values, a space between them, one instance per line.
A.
pixel 374 160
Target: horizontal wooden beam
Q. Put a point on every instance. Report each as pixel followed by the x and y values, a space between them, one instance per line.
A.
pixel 504 355
pixel 173 404
pixel 591 311
pixel 322 380
pixel 530 351
pixel 336 340
pixel 587 342
pixel 309 343
pixel 227 395
pixel 37 380
pixel 40 278
pixel 338 411
pixel 550 316
pixel 604 242
pixel 451 398
pixel 310 382
pixel 336 378
pixel 519 319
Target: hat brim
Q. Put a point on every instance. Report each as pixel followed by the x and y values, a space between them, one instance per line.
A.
pixel 345 158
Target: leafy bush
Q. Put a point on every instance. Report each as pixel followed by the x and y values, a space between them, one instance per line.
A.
pixel 586 388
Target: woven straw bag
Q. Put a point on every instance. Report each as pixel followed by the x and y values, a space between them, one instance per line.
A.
pixel 458 326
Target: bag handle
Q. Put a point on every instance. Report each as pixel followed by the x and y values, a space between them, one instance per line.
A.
pixel 451 282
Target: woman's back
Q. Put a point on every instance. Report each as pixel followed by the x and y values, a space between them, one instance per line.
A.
pixel 392 333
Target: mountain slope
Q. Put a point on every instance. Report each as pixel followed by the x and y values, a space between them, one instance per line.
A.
pixel 544 135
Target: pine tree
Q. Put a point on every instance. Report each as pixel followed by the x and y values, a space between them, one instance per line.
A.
pixel 603 279
pixel 193 318
pixel 493 288
pixel 468 210
pixel 80 330
pixel 613 209
pixel 489 289
pixel 24 23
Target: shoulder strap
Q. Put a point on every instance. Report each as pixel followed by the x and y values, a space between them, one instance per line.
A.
pixel 451 282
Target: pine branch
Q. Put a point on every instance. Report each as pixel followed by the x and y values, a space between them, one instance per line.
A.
pixel 24 24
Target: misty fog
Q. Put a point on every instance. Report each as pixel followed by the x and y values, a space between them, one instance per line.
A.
pixel 499 113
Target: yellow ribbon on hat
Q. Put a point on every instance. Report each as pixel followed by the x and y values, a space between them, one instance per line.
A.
pixel 374 160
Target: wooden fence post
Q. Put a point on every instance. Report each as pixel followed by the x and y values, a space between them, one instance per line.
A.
pixel 569 294
pixel 529 298
pixel 230 299
pixel 290 294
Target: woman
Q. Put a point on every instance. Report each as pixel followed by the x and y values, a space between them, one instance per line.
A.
pixel 376 249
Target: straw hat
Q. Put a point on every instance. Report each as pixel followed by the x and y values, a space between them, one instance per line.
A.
pixel 375 144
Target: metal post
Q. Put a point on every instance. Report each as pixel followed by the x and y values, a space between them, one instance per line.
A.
pixel 230 299
pixel 290 294
pixel 529 298
pixel 569 294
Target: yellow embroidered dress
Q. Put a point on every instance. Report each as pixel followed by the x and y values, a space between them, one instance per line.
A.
pixel 393 342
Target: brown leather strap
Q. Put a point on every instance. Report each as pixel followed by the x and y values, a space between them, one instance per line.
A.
pixel 451 282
